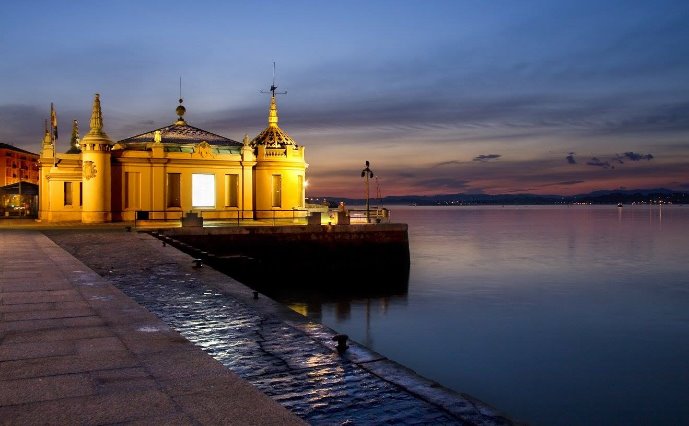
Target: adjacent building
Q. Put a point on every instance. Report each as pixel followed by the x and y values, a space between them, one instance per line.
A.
pixel 167 172
pixel 17 165
pixel 19 176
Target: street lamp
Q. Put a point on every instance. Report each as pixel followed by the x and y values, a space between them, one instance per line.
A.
pixel 367 173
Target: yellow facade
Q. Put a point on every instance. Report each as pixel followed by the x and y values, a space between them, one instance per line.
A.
pixel 165 173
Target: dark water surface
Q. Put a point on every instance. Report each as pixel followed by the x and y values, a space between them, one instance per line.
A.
pixel 555 315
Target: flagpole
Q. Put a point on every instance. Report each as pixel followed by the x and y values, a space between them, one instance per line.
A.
pixel 53 132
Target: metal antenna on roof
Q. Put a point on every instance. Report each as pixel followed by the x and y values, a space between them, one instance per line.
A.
pixel 180 110
pixel 273 87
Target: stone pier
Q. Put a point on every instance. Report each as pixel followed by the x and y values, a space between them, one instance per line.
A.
pixel 139 333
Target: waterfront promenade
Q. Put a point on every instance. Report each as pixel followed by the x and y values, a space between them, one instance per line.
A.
pixel 75 350
pixel 282 354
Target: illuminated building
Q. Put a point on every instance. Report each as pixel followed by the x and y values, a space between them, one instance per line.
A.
pixel 17 165
pixel 168 172
pixel 19 177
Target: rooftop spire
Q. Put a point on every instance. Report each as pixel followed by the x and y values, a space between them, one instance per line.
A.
pixel 273 112
pixel 180 110
pixel 75 133
pixel 74 142
pixel 273 136
pixel 46 135
pixel 96 117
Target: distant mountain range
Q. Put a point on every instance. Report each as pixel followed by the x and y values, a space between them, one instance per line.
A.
pixel 627 196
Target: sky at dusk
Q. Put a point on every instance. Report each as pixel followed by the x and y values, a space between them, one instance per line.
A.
pixel 547 97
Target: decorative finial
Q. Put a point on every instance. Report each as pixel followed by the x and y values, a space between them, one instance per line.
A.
pixel 273 113
pixel 96 117
pixel 246 140
pixel 180 109
pixel 157 138
pixel 180 113
pixel 46 136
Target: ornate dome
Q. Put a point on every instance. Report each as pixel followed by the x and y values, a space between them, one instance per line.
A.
pixel 273 136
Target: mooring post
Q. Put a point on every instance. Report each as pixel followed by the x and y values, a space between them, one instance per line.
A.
pixel 341 340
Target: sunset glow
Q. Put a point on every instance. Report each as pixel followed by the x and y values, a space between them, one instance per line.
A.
pixel 544 97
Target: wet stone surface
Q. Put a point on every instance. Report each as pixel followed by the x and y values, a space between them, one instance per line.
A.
pixel 283 361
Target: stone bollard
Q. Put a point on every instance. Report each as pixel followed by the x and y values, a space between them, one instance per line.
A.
pixel 341 340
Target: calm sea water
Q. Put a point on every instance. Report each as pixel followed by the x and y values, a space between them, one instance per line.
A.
pixel 555 315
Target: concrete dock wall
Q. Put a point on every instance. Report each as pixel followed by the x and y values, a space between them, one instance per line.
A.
pixel 273 255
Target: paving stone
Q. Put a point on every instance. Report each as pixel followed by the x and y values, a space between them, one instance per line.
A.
pixel 41 296
pixel 99 344
pixel 57 334
pixel 44 324
pixel 123 380
pixel 46 306
pixel 204 408
pixel 20 391
pixel 92 410
pixel 38 367
pixel 48 314
pixel 28 350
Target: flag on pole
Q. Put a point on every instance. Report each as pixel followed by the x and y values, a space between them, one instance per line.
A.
pixel 53 121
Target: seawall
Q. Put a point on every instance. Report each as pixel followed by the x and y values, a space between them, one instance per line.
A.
pixel 277 258
pixel 287 356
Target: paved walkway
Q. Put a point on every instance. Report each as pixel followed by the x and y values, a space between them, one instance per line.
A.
pixel 75 350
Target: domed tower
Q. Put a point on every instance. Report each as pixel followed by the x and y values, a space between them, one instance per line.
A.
pixel 280 170
pixel 95 149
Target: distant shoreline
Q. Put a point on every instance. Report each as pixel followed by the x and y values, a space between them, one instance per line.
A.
pixel 653 196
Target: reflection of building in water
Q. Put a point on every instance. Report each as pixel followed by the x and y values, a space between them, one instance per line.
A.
pixel 164 172
pixel 343 310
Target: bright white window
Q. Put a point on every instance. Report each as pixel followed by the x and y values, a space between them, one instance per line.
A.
pixel 202 190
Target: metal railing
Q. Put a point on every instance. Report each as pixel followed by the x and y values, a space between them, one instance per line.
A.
pixel 226 217
pixel 261 217
pixel 374 215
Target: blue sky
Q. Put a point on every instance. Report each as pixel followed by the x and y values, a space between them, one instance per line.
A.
pixel 440 96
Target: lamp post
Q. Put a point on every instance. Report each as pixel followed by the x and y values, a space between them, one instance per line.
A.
pixel 367 174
